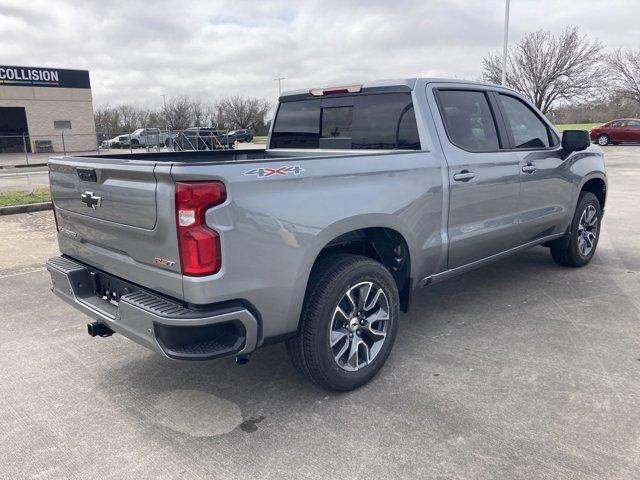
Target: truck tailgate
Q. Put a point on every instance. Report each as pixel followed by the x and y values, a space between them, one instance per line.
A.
pixel 129 189
pixel 118 215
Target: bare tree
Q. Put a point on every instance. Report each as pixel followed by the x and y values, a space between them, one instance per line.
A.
pixel 107 120
pixel 184 112
pixel 180 113
pixel 548 68
pixel 625 72
pixel 243 112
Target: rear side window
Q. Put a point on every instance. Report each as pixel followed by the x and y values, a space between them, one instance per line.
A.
pixel 370 122
pixel 468 120
pixel 528 130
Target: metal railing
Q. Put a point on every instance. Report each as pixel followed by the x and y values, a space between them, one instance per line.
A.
pixel 22 149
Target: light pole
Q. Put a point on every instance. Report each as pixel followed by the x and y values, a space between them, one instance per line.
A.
pixel 506 41
pixel 279 80
pixel 166 120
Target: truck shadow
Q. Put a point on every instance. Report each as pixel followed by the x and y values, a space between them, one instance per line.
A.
pixel 460 309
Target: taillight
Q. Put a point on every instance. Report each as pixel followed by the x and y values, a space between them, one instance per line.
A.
pixel 200 252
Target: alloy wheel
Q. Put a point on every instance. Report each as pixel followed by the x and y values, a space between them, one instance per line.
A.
pixel 587 230
pixel 359 326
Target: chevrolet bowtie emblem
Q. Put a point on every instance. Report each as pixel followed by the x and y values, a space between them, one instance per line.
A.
pixel 90 200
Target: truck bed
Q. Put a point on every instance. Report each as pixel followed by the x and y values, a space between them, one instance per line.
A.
pixel 218 156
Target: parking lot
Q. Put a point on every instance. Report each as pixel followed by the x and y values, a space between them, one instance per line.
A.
pixel 519 370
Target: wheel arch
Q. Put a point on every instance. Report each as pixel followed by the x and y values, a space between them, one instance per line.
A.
pixel 379 238
pixel 382 244
pixel 596 184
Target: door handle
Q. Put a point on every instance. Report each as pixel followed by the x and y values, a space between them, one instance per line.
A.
pixel 463 176
pixel 529 168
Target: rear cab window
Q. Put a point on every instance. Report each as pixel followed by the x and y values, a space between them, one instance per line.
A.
pixel 381 121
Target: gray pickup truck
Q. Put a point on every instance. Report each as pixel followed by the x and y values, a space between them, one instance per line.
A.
pixel 364 194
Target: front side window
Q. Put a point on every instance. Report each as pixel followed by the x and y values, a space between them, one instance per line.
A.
pixel 371 122
pixel 528 130
pixel 468 120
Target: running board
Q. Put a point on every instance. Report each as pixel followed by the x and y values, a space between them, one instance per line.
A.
pixel 439 277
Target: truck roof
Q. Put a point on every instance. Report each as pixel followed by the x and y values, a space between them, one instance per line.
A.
pixel 408 83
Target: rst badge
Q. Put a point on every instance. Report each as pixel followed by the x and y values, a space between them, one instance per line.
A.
pixel 163 262
pixel 279 171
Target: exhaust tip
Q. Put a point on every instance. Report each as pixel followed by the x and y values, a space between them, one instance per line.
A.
pixel 97 329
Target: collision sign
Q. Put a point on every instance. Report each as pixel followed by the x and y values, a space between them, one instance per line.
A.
pixel 43 77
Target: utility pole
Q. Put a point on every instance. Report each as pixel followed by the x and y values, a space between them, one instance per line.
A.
pixel 279 80
pixel 506 41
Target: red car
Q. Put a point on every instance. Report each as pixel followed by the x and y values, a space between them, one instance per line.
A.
pixel 617 131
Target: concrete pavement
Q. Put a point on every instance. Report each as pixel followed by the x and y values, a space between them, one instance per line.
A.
pixel 519 370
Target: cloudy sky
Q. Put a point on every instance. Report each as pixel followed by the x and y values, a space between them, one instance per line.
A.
pixel 136 51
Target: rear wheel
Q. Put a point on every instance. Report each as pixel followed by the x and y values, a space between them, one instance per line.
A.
pixel 349 322
pixel 603 140
pixel 585 231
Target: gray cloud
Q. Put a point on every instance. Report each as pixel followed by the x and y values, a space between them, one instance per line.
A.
pixel 137 50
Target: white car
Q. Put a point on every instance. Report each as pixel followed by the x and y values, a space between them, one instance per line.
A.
pixel 121 141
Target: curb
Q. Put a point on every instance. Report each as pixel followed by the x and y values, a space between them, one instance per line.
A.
pixel 29 207
pixel 23 165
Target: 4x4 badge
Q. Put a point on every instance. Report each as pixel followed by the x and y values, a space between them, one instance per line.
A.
pixel 280 171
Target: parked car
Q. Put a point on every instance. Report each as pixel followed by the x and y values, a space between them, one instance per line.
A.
pixel 625 130
pixel 364 195
pixel 121 141
pixel 141 137
pixel 242 135
pixel 150 137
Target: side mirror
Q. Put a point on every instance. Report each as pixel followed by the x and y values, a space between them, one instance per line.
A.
pixel 575 140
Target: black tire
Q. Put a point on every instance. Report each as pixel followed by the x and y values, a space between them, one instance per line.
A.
pixel 570 252
pixel 310 350
pixel 167 143
pixel 135 143
pixel 603 139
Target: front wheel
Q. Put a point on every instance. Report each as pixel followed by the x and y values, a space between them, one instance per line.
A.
pixel 603 140
pixel 585 232
pixel 349 322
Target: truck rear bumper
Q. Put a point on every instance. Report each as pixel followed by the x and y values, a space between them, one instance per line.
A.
pixel 151 320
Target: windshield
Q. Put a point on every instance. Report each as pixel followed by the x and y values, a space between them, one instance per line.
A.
pixel 371 122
